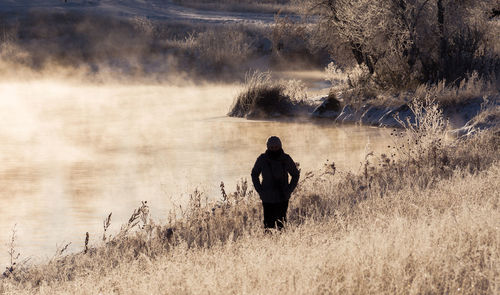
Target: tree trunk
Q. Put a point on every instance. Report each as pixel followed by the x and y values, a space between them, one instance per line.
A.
pixel 361 57
pixel 443 44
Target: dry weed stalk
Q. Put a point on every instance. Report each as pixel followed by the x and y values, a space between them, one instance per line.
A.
pixel 13 254
pixel 63 249
pixel 223 192
pixel 139 215
pixel 106 224
pixel 86 245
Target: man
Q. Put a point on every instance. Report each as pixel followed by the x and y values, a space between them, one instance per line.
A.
pixel 275 190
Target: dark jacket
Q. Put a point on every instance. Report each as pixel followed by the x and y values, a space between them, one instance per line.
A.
pixel 275 187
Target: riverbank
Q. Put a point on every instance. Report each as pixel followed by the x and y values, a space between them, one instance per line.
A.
pixel 439 240
pixel 421 218
pixel 473 105
pixel 481 112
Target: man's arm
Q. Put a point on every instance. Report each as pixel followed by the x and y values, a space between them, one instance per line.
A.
pixel 294 172
pixel 256 170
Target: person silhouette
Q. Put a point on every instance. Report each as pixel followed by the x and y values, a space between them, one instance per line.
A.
pixel 275 190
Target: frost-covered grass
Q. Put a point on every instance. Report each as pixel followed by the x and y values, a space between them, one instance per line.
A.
pixel 421 219
pixel 140 46
pixel 270 6
pixel 357 87
pixel 260 97
pixel 263 97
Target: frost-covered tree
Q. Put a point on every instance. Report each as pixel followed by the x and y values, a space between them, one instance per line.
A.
pixel 401 41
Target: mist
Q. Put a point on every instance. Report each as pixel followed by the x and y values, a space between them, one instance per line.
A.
pixel 100 113
pixel 74 152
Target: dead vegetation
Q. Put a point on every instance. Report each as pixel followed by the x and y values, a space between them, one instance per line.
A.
pixel 399 209
pixel 263 98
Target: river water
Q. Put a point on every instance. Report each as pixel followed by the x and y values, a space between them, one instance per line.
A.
pixel 73 153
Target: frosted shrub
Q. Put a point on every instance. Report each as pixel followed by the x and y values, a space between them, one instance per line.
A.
pixel 359 88
pixel 428 130
pixel 334 74
pixel 295 89
pixel 408 42
pixel 358 76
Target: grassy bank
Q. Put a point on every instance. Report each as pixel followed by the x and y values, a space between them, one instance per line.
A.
pixel 443 240
pixel 354 98
pixel 420 219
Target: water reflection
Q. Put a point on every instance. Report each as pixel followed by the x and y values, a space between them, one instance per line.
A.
pixel 73 153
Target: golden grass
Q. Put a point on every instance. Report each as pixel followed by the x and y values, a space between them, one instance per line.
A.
pixel 261 97
pixel 421 220
pixel 434 241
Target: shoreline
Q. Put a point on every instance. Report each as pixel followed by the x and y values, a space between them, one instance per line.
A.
pixel 462 118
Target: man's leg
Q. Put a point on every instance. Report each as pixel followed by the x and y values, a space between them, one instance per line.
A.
pixel 281 214
pixel 269 215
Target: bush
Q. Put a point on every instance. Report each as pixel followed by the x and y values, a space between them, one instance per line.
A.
pixel 357 89
pixel 261 98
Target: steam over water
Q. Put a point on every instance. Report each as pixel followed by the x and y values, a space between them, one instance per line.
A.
pixel 73 153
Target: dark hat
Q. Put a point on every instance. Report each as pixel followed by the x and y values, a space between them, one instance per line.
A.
pixel 273 141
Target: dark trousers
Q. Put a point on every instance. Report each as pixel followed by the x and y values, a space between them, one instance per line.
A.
pixel 275 214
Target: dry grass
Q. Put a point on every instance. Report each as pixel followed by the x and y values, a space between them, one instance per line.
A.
pixel 215 49
pixel 263 97
pixel 139 47
pixel 267 6
pixel 470 88
pixel 148 48
pixel 437 241
pixel 422 219
pixel 488 119
pixel 357 88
